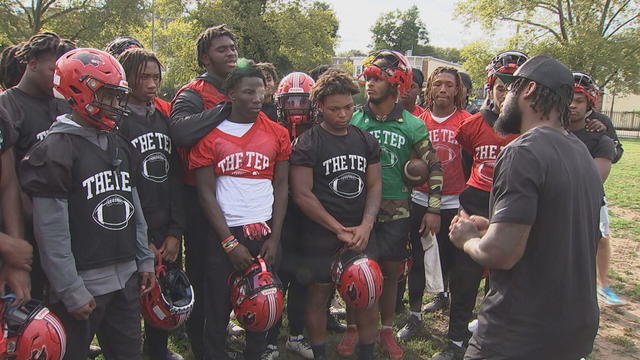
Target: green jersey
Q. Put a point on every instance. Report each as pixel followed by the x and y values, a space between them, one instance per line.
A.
pixel 398 136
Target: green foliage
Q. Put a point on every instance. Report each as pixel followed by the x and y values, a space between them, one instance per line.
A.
pixel 475 57
pixel 449 54
pixel 352 52
pixel 593 36
pixel 399 30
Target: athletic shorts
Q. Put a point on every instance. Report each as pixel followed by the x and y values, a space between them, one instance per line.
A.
pixel 475 201
pixel 321 247
pixel 605 230
pixel 392 240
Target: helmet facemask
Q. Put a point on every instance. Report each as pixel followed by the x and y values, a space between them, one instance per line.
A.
pixel 101 110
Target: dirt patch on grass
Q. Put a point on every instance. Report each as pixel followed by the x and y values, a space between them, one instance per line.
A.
pixel 625 213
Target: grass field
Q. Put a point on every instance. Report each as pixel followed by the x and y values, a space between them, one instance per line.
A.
pixel 619 335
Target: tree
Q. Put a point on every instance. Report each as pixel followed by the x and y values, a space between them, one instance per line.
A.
pixel 352 52
pixel 599 37
pixel 89 22
pixel 399 30
pixel 449 54
pixel 475 58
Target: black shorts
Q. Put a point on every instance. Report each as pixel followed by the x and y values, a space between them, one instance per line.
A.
pixel 392 240
pixel 321 247
pixel 475 201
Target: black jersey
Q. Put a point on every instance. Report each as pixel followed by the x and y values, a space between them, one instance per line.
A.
pixel 339 169
pixel 7 133
pixel 97 185
pixel 159 184
pixel 31 117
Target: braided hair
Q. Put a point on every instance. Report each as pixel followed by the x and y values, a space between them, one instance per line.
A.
pixel 134 62
pixel 545 99
pixel 44 43
pixel 458 100
pixel 11 69
pixel 333 82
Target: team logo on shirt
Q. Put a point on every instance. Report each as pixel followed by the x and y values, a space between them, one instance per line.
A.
pixel 388 157
pixel 155 167
pixel 348 185
pixel 445 153
pixel 113 213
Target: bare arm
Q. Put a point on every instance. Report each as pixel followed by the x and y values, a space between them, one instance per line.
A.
pixel 604 167
pixel 280 197
pixel 301 179
pixel 374 194
pixel 10 196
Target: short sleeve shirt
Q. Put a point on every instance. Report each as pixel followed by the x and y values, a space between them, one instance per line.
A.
pixel 397 138
pixel 599 144
pixel 545 306
pixel 339 169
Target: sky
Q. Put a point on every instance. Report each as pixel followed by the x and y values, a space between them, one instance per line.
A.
pixel 357 16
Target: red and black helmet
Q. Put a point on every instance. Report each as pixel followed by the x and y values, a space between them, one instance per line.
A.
pixel 358 279
pixel 584 83
pixel 78 77
pixel 292 100
pixel 31 331
pixel 504 65
pixel 121 44
pixel 256 297
pixel 397 71
pixel 170 302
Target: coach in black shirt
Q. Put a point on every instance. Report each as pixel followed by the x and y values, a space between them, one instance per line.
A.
pixel 541 239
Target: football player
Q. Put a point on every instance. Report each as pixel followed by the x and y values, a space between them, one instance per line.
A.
pixel 241 170
pixel 160 185
pixel 335 178
pixel 11 69
pixel 271 78
pixel 409 98
pixel 387 75
pixel 87 216
pixel 193 113
pixel 445 112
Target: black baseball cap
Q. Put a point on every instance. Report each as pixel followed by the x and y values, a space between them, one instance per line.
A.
pixel 547 71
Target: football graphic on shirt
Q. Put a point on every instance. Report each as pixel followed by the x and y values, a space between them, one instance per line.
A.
pixel 388 158
pixel 348 185
pixel 155 167
pixel 445 153
pixel 485 170
pixel 113 213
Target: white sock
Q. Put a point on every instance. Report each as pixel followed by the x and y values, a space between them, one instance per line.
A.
pixel 296 338
pixel 385 327
pixel 416 314
pixel 457 343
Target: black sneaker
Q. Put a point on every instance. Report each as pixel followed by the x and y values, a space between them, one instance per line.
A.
pixel 334 325
pixel 411 329
pixel 451 352
pixel 439 302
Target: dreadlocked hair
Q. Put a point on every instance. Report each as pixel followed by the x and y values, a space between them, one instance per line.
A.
pixel 204 39
pixel 245 68
pixel 44 43
pixel 458 100
pixel 134 62
pixel 11 69
pixel 268 69
pixel 333 82
pixel 319 70
pixel 545 99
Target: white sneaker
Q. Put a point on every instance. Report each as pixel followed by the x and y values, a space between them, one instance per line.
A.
pixel 233 329
pixel 473 326
pixel 271 353
pixel 299 345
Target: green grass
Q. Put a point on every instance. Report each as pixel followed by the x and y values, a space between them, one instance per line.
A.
pixel 623 185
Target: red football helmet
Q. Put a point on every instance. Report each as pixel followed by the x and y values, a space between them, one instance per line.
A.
pixel 292 100
pixel 504 65
pixel 31 332
pixel 256 297
pixel 79 76
pixel 584 83
pixel 169 303
pixel 398 71
pixel 358 279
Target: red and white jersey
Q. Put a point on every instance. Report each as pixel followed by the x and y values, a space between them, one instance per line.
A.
pixel 478 138
pixel 418 110
pixel 252 155
pixel 443 137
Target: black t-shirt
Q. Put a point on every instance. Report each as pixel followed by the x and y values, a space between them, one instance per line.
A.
pixel 7 133
pixel 599 144
pixel 339 169
pixel 31 117
pixel 545 307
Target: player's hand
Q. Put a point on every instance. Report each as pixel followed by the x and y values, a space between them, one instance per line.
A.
pixel 345 235
pixel 17 253
pixel 240 257
pixel 269 250
pixel 482 223
pixel 430 223
pixel 84 311
pixel 594 125
pixel 147 282
pixel 462 231
pixel 361 235
pixel 19 282
pixel 170 248
pixel 155 251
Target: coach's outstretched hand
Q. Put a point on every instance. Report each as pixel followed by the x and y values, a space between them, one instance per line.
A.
pixel 240 257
